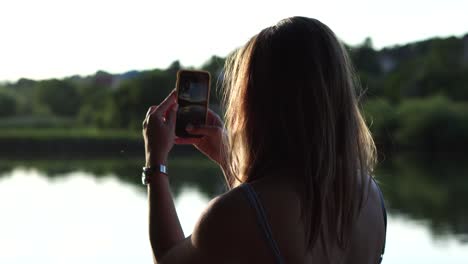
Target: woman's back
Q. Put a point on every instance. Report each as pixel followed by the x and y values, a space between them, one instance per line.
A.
pixel 291 103
pixel 281 204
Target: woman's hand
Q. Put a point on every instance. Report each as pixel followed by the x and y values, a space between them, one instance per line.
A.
pixel 158 130
pixel 211 143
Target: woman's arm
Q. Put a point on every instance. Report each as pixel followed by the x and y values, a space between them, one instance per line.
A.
pixel 217 236
pixel 212 142
pixel 222 234
pixel 164 227
pixel 158 133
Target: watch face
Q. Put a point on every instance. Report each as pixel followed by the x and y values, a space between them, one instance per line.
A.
pixel 163 169
pixel 149 171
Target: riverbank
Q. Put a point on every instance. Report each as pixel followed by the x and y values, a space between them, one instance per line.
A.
pixel 74 142
pixel 89 142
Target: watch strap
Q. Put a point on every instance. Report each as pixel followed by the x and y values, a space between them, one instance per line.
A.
pixel 147 173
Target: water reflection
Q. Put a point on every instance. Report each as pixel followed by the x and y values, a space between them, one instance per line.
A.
pixel 185 170
pixel 95 211
pixel 431 190
pixel 71 218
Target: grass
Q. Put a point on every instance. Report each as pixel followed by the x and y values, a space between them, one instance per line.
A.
pixel 67 133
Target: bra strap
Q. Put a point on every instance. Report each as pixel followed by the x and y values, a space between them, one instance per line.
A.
pixel 254 201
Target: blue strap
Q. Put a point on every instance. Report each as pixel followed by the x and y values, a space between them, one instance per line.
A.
pixel 262 220
pixel 384 212
pixel 263 223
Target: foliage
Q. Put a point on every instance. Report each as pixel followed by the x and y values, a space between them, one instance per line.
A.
pixel 429 188
pixel 381 117
pixel 417 95
pixel 8 103
pixel 433 123
pixel 60 97
pixel 429 124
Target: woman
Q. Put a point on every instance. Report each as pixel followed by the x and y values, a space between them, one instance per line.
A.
pixel 296 154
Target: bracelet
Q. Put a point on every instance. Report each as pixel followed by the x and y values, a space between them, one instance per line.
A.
pixel 148 171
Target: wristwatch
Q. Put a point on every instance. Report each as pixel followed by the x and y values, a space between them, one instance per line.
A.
pixel 148 172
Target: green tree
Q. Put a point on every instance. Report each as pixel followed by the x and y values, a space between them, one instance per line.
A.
pixel 434 123
pixel 97 105
pixel 381 118
pixel 215 65
pixel 8 103
pixel 60 97
pixel 134 96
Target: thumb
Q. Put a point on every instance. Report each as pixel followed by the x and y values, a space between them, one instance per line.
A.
pixel 171 116
pixel 204 130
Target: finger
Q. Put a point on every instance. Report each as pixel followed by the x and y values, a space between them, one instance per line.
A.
pixel 171 116
pixel 212 113
pixel 214 119
pixel 148 113
pixel 204 130
pixel 186 141
pixel 150 110
pixel 166 104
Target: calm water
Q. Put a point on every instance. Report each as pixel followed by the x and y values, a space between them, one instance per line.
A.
pixel 95 211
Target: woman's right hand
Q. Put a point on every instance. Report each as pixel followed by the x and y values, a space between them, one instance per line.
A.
pixel 211 143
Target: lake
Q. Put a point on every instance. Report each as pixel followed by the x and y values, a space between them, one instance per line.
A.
pixel 94 210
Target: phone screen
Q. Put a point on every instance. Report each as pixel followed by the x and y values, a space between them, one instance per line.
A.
pixel 192 92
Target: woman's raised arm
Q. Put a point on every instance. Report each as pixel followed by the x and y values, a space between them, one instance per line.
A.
pixel 158 133
pixel 213 238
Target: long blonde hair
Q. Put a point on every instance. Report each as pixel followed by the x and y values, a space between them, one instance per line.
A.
pixel 290 97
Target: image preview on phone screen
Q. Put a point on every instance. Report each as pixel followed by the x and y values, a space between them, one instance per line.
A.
pixel 193 102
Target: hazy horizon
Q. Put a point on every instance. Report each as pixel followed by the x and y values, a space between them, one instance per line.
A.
pixel 196 66
pixel 56 39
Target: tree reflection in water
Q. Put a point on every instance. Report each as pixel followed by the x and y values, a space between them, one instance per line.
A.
pixel 429 188
pixel 433 189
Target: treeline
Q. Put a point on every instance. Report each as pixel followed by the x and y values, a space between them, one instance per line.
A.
pixel 416 95
pixel 102 100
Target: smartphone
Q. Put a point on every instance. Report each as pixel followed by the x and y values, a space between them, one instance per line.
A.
pixel 193 90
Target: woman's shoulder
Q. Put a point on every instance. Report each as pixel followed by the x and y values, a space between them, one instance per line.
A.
pixel 226 207
pixel 224 233
pixel 369 234
pixel 226 225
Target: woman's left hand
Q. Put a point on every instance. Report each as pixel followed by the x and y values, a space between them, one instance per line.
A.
pixel 158 130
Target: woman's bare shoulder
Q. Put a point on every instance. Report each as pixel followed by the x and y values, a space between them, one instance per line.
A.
pixel 223 234
pixel 369 233
pixel 226 225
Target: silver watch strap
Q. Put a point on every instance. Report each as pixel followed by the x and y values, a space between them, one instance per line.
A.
pixel 148 171
pixel 158 168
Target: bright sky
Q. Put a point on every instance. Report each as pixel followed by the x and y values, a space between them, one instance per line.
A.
pixel 56 38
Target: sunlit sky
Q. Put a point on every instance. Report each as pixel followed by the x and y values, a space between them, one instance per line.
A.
pixel 56 38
